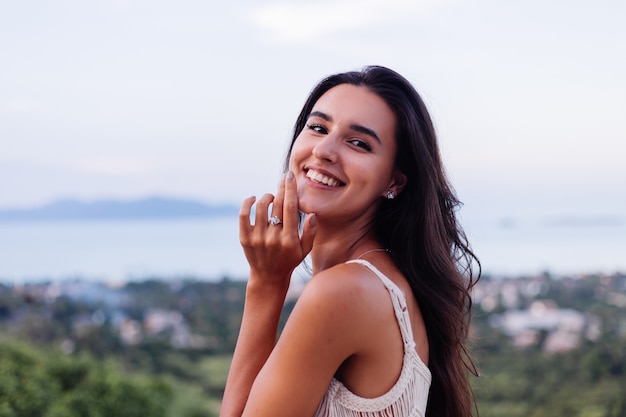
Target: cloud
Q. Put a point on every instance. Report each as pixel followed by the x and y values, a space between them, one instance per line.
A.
pixel 292 23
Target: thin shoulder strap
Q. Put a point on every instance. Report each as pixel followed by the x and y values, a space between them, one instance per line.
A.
pixel 398 300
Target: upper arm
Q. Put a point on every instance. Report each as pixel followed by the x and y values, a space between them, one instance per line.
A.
pixel 320 334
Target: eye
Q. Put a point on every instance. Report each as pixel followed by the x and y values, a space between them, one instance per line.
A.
pixel 360 144
pixel 317 128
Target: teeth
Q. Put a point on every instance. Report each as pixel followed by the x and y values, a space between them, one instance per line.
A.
pixel 321 178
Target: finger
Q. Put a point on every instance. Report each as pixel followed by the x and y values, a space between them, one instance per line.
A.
pixel 277 205
pixel 308 233
pixel 290 202
pixel 244 218
pixel 262 206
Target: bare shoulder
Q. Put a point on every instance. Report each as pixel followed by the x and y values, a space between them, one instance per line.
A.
pixel 349 282
pixel 333 320
pixel 346 294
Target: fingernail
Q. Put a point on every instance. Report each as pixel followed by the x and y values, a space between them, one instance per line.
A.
pixel 290 175
pixel 313 220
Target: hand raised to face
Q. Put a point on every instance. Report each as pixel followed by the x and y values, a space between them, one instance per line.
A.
pixel 275 248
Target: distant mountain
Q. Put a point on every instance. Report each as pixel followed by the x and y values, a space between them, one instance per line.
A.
pixel 147 208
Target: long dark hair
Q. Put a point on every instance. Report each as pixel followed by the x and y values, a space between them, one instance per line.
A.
pixel 426 241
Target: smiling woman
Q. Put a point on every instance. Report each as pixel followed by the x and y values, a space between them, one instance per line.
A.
pixel 353 126
pixel 380 329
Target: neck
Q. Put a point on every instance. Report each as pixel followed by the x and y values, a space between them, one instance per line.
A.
pixel 337 245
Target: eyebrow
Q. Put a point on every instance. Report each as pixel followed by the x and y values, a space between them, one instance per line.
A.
pixel 355 127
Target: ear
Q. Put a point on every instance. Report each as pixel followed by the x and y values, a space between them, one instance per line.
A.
pixel 398 182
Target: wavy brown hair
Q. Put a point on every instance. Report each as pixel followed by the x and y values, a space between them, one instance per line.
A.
pixel 421 229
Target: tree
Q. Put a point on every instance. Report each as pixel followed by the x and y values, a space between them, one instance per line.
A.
pixel 37 384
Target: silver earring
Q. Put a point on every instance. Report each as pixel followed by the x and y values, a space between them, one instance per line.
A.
pixel 390 195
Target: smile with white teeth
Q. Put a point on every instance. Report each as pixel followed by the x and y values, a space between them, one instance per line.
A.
pixel 322 179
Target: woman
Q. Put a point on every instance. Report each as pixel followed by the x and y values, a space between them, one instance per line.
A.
pixel 380 328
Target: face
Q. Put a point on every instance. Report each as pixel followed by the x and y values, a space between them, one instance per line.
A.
pixel 343 159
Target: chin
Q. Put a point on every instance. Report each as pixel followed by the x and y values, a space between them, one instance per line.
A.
pixel 306 208
pixel 306 205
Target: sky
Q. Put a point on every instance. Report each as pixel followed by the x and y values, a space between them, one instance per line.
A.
pixel 196 99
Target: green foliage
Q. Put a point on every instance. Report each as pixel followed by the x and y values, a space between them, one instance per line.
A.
pixel 34 383
pixel 26 390
pixel 161 379
pixel 585 382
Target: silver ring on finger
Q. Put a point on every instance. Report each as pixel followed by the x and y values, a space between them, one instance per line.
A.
pixel 275 221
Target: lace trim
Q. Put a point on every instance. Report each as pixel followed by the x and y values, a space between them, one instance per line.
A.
pixel 407 397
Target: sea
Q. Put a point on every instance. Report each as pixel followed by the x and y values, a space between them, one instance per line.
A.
pixel 208 249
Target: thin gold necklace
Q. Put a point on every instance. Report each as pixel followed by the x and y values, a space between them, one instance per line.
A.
pixel 373 250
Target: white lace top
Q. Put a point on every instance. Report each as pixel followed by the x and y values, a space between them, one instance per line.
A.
pixel 408 397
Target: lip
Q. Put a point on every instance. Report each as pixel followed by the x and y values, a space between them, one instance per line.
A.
pixel 325 173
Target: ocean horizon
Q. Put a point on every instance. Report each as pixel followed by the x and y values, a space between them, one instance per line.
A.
pixel 208 248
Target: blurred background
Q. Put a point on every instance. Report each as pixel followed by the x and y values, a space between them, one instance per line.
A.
pixel 126 100
pixel 130 131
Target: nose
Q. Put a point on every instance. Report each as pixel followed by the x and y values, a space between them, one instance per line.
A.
pixel 326 149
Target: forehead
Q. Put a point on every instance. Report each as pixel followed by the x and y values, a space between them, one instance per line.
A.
pixel 357 105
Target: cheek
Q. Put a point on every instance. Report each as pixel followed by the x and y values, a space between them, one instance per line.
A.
pixel 298 152
pixel 293 158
